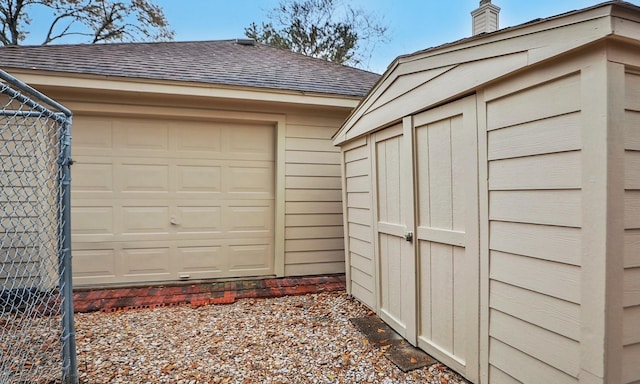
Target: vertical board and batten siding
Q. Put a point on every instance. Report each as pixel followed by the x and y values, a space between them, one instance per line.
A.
pixel 534 169
pixel 631 297
pixel 440 210
pixel 314 238
pixel 445 166
pixel 393 218
pixel 359 217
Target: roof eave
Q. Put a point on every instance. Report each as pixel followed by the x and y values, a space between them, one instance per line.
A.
pixel 36 78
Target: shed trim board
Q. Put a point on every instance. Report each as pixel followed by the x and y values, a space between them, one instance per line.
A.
pixel 483 241
pixel 553 203
pixel 631 280
pixel 603 181
pixel 345 224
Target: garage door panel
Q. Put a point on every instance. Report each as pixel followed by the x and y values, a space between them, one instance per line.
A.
pixel 94 263
pixel 201 259
pixel 95 137
pixel 200 219
pixel 249 218
pixel 92 177
pixel 251 140
pixel 256 257
pixel 147 220
pixel 221 141
pixel 160 200
pixel 250 179
pixel 146 261
pixel 172 261
pixel 143 178
pixel 92 222
pixel 136 135
pixel 198 178
pixel 197 139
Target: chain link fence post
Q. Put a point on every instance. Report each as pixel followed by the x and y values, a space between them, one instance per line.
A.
pixel 69 361
pixel 37 333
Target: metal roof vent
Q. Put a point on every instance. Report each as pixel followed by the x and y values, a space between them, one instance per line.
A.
pixel 485 18
pixel 247 42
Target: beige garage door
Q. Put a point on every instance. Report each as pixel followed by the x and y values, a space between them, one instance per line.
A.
pixel 157 200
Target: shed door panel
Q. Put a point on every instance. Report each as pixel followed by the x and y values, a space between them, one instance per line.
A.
pixel 163 200
pixel 446 219
pixel 394 221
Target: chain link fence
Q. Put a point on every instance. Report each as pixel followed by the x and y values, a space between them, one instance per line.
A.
pixel 37 337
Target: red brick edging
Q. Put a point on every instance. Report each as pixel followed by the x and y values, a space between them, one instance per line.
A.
pixel 199 294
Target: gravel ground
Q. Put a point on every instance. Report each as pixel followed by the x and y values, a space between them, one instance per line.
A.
pixel 29 349
pixel 296 339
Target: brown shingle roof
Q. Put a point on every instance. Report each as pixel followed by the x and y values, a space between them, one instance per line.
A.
pixel 224 62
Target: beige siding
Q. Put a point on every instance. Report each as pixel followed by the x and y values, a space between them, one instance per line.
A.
pixel 535 209
pixel 523 367
pixel 359 218
pixel 496 376
pixel 631 296
pixel 313 198
pixel 28 228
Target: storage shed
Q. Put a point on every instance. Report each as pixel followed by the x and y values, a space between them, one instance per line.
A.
pixel 199 160
pixel 492 200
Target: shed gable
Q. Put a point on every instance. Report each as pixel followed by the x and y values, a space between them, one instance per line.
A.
pixel 431 77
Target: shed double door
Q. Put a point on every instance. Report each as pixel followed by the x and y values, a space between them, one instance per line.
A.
pixel 427 252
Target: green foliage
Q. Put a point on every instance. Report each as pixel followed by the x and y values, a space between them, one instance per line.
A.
pixel 322 29
pixel 93 21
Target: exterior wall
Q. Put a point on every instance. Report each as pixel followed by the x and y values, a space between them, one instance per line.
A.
pixel 534 213
pixel 359 219
pixel 631 297
pixel 28 194
pixel 308 214
pixel 314 237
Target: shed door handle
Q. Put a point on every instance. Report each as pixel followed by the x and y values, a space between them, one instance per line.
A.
pixel 409 236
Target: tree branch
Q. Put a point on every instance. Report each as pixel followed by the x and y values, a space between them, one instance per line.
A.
pixel 48 38
pixel 101 20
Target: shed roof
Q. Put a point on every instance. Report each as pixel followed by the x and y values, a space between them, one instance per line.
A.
pixel 430 77
pixel 221 62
